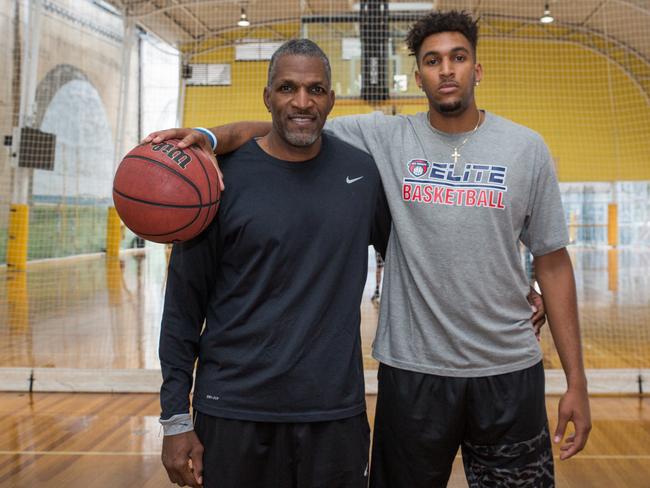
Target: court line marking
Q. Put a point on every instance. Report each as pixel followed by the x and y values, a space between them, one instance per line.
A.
pixel 80 453
pixel 609 456
pixel 157 453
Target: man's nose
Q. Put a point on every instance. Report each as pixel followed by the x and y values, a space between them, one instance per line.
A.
pixel 446 67
pixel 302 99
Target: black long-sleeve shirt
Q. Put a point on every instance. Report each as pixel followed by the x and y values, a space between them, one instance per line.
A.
pixel 278 279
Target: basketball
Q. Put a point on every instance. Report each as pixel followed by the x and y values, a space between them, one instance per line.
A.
pixel 166 194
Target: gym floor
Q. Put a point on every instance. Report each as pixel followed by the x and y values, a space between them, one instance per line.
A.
pixel 90 313
pixel 51 440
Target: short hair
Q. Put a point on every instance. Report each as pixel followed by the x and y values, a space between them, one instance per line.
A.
pixel 436 22
pixel 299 47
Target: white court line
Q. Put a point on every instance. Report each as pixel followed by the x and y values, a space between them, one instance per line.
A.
pixel 608 456
pixel 80 453
pixel 157 453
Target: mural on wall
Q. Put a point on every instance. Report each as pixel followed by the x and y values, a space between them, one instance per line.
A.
pixel 71 108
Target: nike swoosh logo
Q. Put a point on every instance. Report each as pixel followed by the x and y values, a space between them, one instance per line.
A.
pixel 349 180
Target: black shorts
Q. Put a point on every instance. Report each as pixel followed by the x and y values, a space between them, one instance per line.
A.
pixel 499 422
pixel 244 454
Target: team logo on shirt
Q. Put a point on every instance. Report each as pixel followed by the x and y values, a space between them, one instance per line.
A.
pixel 418 167
pixel 471 185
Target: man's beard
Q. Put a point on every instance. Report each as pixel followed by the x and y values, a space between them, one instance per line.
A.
pixel 297 138
pixel 450 108
pixel 301 139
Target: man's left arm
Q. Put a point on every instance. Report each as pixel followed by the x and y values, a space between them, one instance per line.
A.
pixel 555 277
pixel 538 317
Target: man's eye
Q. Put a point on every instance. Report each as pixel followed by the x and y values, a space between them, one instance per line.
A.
pixel 431 61
pixel 318 90
pixel 460 57
pixel 285 88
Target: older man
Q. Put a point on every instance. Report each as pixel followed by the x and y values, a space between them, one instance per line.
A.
pixel 278 279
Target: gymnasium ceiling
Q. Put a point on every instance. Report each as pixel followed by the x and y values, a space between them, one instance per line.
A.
pixel 619 24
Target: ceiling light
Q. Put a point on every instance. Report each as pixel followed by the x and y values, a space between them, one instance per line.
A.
pixel 547 18
pixel 243 19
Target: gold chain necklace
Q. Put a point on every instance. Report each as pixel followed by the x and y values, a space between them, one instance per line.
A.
pixel 456 154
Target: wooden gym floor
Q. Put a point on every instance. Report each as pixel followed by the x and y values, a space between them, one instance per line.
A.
pixel 90 313
pixel 52 440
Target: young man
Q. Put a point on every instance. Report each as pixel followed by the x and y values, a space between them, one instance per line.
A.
pixel 465 187
pixel 278 279
pixel 460 365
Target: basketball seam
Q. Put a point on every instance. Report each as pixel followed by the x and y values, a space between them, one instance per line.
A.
pixel 172 231
pixel 171 170
pixel 207 178
pixel 170 205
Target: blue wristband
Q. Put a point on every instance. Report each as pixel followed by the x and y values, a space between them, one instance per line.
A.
pixel 211 136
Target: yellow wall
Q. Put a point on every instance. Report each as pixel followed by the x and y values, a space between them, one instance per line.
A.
pixel 594 118
pixel 242 100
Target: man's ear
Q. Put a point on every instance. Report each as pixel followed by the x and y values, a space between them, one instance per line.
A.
pixel 267 96
pixel 478 72
pixel 332 101
pixel 418 79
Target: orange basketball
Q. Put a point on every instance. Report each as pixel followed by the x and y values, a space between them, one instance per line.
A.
pixel 166 194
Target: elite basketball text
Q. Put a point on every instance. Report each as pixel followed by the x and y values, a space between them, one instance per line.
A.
pixel 479 185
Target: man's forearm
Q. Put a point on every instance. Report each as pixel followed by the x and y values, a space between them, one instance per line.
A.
pixel 232 136
pixel 555 276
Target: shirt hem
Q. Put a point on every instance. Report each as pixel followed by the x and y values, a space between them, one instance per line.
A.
pixel 247 415
pixel 550 248
pixel 458 373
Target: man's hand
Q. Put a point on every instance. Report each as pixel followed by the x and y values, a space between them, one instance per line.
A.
pixel 182 456
pixel 188 138
pixel 573 407
pixel 555 276
pixel 539 311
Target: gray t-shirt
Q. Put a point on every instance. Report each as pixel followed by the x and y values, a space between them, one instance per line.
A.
pixel 454 297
